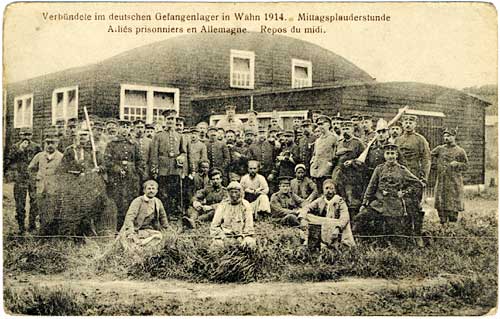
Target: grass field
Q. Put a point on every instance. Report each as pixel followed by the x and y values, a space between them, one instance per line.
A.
pixel 446 277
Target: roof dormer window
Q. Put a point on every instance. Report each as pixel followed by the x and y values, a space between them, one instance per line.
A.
pixel 242 69
pixel 301 73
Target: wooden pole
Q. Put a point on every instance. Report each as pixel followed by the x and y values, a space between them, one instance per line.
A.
pixel 94 157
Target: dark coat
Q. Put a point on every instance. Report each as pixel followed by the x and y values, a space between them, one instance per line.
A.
pixel 166 147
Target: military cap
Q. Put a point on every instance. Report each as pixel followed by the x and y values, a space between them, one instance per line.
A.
pixel 213 172
pixel 150 126
pixel 252 112
pixel 356 117
pixel 306 122
pixel 273 129
pixel 280 132
pixel 187 130
pixel 179 119
pixel 111 121
pixel 221 129
pixel 366 117
pixel 317 112
pixel 211 128
pixel 323 119
pixel 139 121
pixel 230 130
pixel 124 123
pixel 194 129
pixel 347 124
pixel 234 185
pixel 230 107
pixel 26 131
pixel 98 124
pixel 249 131
pixel 409 117
pixel 298 166
pixel 262 128
pixel 390 147
pixel 72 122
pixel 284 179
pixel 169 112
pixel 50 134
pixel 288 133
pixel 450 131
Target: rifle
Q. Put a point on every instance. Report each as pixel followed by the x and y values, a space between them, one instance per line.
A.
pixel 362 157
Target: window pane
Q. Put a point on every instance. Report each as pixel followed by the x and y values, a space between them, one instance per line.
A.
pixel 241 65
pixel 59 106
pixel 163 100
pixel 135 98
pixel 19 113
pixel 301 72
pixel 27 112
pixel 72 109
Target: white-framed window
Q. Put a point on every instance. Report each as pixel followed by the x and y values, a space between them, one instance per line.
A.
pixel 242 69
pixel 146 102
pixel 23 111
pixel 64 104
pixel 264 118
pixel 301 73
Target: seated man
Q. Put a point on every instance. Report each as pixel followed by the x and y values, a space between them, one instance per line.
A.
pixel 327 219
pixel 205 201
pixel 233 220
pixel 285 204
pixel 145 219
pixel 256 189
pixel 303 186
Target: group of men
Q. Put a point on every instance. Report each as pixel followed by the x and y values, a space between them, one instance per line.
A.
pixel 322 175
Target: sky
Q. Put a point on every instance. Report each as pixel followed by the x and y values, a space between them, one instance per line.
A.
pixel 449 44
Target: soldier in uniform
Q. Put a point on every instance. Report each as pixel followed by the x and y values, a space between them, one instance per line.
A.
pixel 230 121
pixel 252 122
pixel 202 130
pixel 286 159
pixel 44 166
pixel 179 124
pixel 111 129
pixel 323 153
pixel 368 132
pixel 167 153
pixel 221 134
pixel 205 201
pixel 337 126
pixel 197 151
pixel 416 156
pixel 395 131
pixel 303 186
pixel 69 137
pixel 150 131
pixel 450 162
pixel 385 209
pixel 358 130
pixel 217 151
pixel 306 145
pixel 20 156
pixel 125 167
pixel 346 175
pixel 285 204
pixel 238 156
pixel 144 143
pixel 264 152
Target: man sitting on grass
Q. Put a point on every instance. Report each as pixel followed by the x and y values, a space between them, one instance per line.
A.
pixel 327 219
pixel 233 220
pixel 285 204
pixel 144 222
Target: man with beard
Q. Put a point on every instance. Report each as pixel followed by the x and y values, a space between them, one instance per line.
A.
pixel 285 204
pixel 205 201
pixel 233 221
pixel 150 131
pixel 327 220
pixel 255 190
pixel 450 162
pixel 125 167
pixel 303 186
pixel 348 177
pixel 144 143
pixel 336 126
pixel 287 156
pixel 167 154
pixel 416 155
pixel 395 131
pixel 43 166
pixel 20 157
pixel 305 145
pixel 217 151
pixel 367 126
pixel 179 124
pixel 324 152
pixel 230 121
pixel 264 152
pixel 385 210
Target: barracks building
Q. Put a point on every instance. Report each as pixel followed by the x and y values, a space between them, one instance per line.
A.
pixel 199 74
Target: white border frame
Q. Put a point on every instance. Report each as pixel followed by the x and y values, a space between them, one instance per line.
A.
pixel 65 98
pixel 149 97
pixel 243 55
pixel 304 64
pixel 23 98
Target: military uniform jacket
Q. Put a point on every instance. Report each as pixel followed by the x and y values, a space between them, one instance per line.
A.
pixel 348 150
pixel 197 151
pixel 283 204
pixel 20 159
pixel 211 196
pixel 449 191
pixel 323 155
pixel 264 152
pixel 305 189
pixel 286 167
pixel 145 148
pixel 387 180
pixel 45 166
pixel 66 141
pixel 306 147
pixel 416 153
pixel 218 154
pixel 237 164
pixel 123 154
pixel 166 147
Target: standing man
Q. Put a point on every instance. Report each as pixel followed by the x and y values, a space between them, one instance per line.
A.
pixel 450 162
pixel 306 145
pixel 337 126
pixel 69 137
pixel 395 131
pixel 20 157
pixel 150 131
pixel 144 143
pixel 252 122
pixel 217 151
pixel 255 190
pixel 264 152
pixel 43 166
pixel 197 151
pixel 202 130
pixel 368 132
pixel 416 155
pixel 167 156
pixel 230 121
pixel 286 160
pixel 324 152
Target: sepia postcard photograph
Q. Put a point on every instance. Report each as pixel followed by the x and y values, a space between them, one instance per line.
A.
pixel 250 159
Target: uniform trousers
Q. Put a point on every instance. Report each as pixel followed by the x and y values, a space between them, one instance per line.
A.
pixel 21 190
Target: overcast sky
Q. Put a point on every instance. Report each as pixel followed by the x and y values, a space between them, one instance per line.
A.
pixel 450 44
